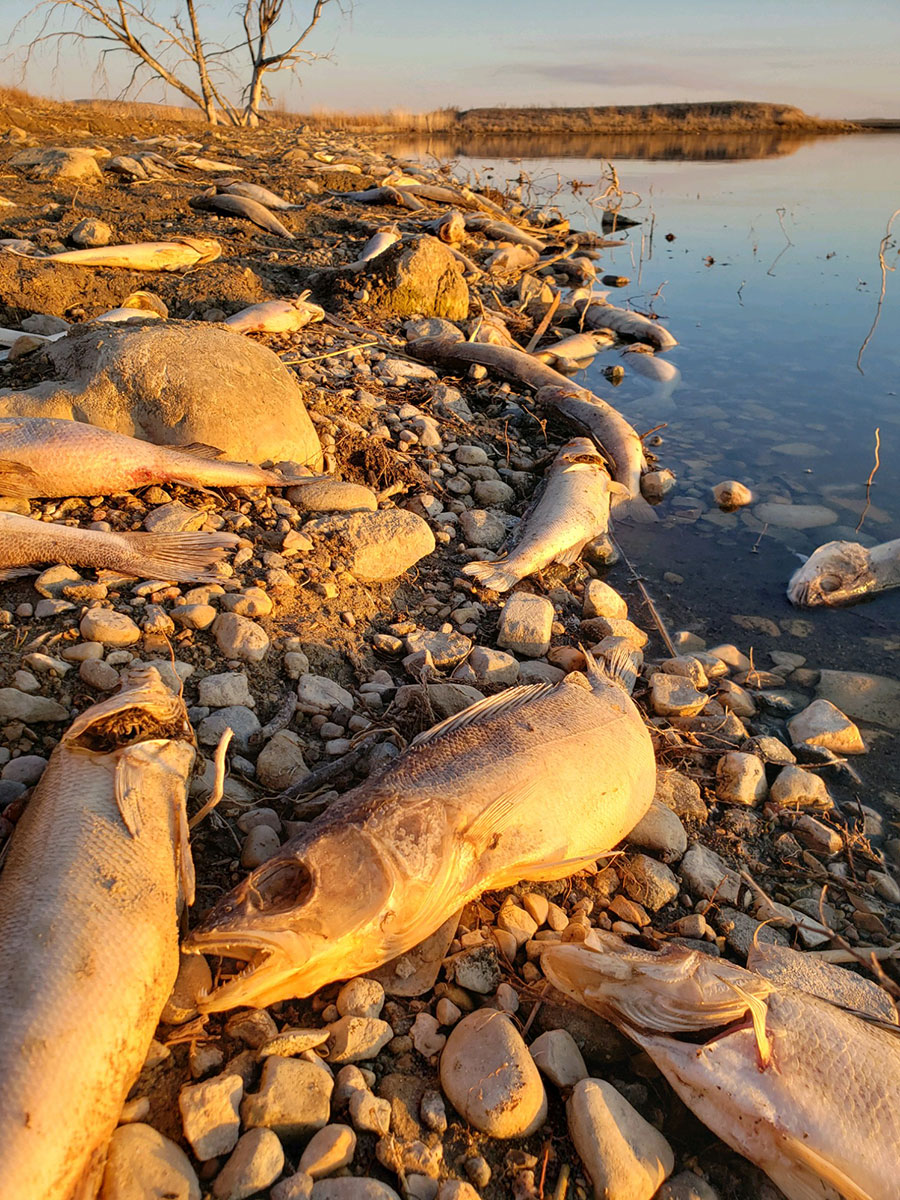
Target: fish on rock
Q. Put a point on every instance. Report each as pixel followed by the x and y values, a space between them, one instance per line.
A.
pixel 242 206
pixel 50 456
pixel 175 255
pixel 276 316
pixel 181 557
pixel 845 573
pixel 808 1091
pixel 573 510
pixel 98 869
pixel 530 784
pixel 377 244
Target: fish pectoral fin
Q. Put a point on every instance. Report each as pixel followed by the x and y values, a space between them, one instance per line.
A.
pixel 16 479
pixel 127 792
pixel 567 557
pixel 809 1176
pixel 200 450
pixel 485 710
pixel 497 817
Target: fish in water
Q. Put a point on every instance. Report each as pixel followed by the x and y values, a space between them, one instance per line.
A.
pixel 845 573
pixel 573 353
pixel 181 557
pixel 49 456
pixel 573 510
pixel 98 869
pixel 253 191
pixel 808 1091
pixel 530 784
pixel 242 206
pixel 598 314
pixel 175 255
pixel 276 316
pixel 643 361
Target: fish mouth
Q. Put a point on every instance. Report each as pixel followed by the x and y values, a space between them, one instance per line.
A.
pixel 274 962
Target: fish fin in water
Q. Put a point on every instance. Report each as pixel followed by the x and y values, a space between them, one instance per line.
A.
pixel 16 479
pixel 809 1176
pixel 127 791
pixel 484 710
pixel 618 666
pixel 634 508
pixel 181 557
pixel 199 450
pixel 16 573
pixel 495 575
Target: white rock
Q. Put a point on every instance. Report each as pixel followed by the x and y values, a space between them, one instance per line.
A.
pixel 740 779
pixel 660 830
pixel 354 1039
pixel 360 997
pixel 525 627
pixel 600 600
pixel 352 1187
pixel 239 637
pixel 209 1115
pixel 109 627
pixel 257 1161
pixel 490 1078
pixel 675 696
pixel 280 762
pixel 425 1036
pixel 221 691
pixel 370 1113
pixel 17 706
pixel 557 1056
pixel 705 874
pixel 298 1186
pixel 328 1150
pixel 318 694
pixel 259 845
pixel 141 1164
pixel 294 1098
pixel 796 788
pixel 625 1157
pixel 821 724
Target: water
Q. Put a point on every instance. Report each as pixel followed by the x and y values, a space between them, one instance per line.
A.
pixel 770 285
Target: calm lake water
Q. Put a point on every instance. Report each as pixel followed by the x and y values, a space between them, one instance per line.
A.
pixel 770 283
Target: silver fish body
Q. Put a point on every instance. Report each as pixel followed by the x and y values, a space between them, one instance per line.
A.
pixel 253 191
pixel 572 353
pixel 600 315
pixel 573 510
pixel 181 557
pixel 808 1091
pixel 243 206
pixel 276 316
pixel 377 244
pixel 49 456
pixel 845 573
pixel 97 871
pixel 530 784
pixel 175 255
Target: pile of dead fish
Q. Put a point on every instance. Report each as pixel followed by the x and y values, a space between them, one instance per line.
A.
pixel 792 1062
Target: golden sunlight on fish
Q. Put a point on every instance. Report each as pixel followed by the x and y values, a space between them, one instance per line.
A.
pixel 276 316
pixel 808 1091
pixel 845 573
pixel 533 783
pixel 573 509
pixel 176 255
pixel 98 869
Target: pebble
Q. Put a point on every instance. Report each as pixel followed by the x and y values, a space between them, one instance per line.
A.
pixel 141 1164
pixel 490 1078
pixel 482 528
pixel 239 637
pixel 222 691
pixel 369 1113
pixel 680 793
pixel 649 882
pixel 243 723
pixel 740 779
pixel 17 706
pixel 796 788
pixel 518 922
pixel 477 970
pixel 281 762
pixel 355 1039
pixel 425 1036
pixel 194 616
pixel 298 1186
pixel 360 997
pixel 257 1161
pixel 317 694
pixel 736 699
pixel 526 623
pixel 109 627
pixel 294 1098
pixel 795 516
pixel 26 769
pixel 253 602
pixel 254 1027
pixel 557 1057
pixel 625 1157
pixel 822 724
pixel 352 1187
pixel 98 674
pixel 687 1186
pixel 675 696
pixel 660 830
pixel 817 836
pixel 488 668
pixel 600 600
pixel 259 845
pixel 704 873
pixel 328 1150
pixel 209 1115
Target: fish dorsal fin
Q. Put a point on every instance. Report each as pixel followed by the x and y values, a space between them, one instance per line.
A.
pixel 485 710
pixel 812 1177
pixel 127 790
pixel 199 450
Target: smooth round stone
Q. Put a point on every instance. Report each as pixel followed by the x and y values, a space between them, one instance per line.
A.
pixel 27 769
pixel 491 1079
pixel 255 1164
pixel 328 1150
pixel 109 627
pixel 795 516
pixel 626 1158
pixel 352 1187
pixel 143 1165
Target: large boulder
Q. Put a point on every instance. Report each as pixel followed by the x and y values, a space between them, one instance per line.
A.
pixel 173 383
pixel 419 277
pixel 47 163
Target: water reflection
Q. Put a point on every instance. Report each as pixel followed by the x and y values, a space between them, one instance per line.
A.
pixel 674 145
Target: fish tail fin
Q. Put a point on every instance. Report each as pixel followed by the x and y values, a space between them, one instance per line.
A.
pixel 494 575
pixel 181 557
pixel 634 507
pixel 616 666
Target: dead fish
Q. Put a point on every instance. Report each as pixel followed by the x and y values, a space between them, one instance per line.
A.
pixel 503 231
pixel 573 509
pixel 599 314
pixel 575 352
pixel 253 191
pixel 242 206
pixel 384 195
pixel 845 573
pixel 180 557
pixel 276 316
pixel 529 784
pixel 49 456
pixel 176 255
pixel 205 164
pixel 98 869
pixel 377 244
pixel 450 227
pixel 643 361
pixel 808 1091
pixel 508 257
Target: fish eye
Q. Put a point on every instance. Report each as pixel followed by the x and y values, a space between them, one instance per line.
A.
pixel 830 583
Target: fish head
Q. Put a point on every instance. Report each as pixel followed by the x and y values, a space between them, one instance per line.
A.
pixel 307 916
pixel 837 573
pixel 143 709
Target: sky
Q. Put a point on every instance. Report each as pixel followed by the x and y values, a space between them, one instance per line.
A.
pixel 828 57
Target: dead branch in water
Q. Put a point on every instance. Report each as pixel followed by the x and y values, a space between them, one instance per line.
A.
pixel 884 270
pixel 872 474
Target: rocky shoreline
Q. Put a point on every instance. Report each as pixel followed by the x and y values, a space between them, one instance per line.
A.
pixel 335 637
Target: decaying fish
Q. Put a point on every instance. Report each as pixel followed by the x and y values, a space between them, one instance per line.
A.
pixel 98 869
pixel 276 316
pixel 253 191
pixel 241 206
pixel 176 255
pixel 181 557
pixel 573 353
pixel 530 784
pixel 642 360
pixel 47 456
pixel 845 573
pixel 599 314
pixel 377 244
pixel 572 511
pixel 503 231
pixel 808 1091
pixel 205 164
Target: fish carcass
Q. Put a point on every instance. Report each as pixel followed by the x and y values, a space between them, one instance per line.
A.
pixel 98 869
pixel 50 456
pixel 533 783
pixel 845 573
pixel 241 206
pixel 276 316
pixel 175 255
pixel 808 1091
pixel 253 191
pixel 573 510
pixel 181 557
pixel 572 353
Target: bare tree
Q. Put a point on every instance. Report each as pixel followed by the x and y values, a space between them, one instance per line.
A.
pixel 176 50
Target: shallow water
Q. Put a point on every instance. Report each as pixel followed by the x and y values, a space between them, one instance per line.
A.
pixel 770 285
